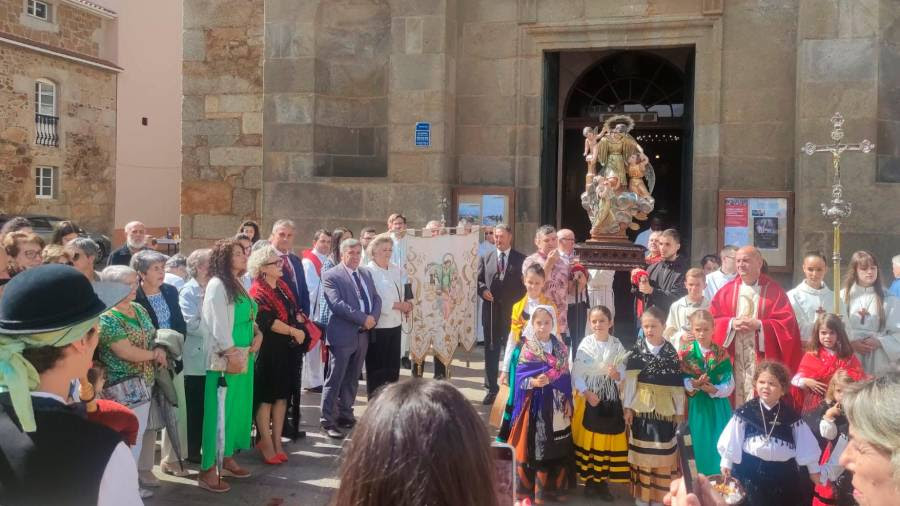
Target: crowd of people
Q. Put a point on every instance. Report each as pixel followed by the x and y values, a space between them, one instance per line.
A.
pixel 198 351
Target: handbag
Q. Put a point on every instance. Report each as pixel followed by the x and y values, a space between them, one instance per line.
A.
pixel 219 361
pixel 499 406
pixel 130 392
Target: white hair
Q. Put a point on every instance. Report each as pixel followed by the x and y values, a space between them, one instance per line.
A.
pixel 131 224
pixel 896 260
pixel 118 274
pixel 283 223
pixel 259 258
pixel 346 244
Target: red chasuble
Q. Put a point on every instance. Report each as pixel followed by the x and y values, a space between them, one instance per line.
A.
pixel 821 367
pixel 779 325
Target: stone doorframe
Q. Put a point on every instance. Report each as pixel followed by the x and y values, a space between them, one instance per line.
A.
pixel 702 32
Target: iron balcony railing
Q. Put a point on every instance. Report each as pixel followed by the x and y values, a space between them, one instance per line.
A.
pixel 46 128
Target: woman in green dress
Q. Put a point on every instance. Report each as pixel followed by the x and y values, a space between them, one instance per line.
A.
pixel 229 314
pixel 709 383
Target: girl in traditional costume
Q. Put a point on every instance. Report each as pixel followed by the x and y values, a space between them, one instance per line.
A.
pixel 598 428
pixel 828 422
pixel 766 442
pixel 654 403
pixel 709 382
pixel 829 351
pixel 542 412
pixel 873 318
pixel 534 279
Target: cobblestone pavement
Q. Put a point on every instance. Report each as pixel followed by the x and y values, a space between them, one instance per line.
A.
pixel 310 477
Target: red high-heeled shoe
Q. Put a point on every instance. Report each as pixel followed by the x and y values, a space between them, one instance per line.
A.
pixel 274 461
pixel 282 456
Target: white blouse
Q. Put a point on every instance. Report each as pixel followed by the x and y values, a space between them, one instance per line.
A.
pixel 530 306
pixel 732 445
pixel 389 285
pixel 863 302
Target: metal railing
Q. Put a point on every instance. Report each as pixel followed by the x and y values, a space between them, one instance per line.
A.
pixel 46 128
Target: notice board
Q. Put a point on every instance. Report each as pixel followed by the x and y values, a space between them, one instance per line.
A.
pixel 764 219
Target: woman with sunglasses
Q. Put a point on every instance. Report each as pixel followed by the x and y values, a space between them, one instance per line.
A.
pixel 277 319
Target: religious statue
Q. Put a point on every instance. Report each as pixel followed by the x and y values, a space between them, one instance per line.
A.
pixel 637 171
pixel 617 145
pixel 616 197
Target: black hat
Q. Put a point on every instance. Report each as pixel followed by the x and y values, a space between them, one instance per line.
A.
pixel 53 297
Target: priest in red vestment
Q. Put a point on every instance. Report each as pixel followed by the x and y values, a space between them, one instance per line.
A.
pixel 754 321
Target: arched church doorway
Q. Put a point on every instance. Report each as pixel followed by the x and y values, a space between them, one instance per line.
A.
pixel 654 87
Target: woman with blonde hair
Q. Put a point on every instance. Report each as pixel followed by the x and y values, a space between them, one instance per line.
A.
pixel 277 319
pixel 873 455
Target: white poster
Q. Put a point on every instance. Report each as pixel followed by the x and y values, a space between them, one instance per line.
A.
pixel 443 271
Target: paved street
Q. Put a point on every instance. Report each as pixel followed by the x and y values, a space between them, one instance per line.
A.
pixel 311 476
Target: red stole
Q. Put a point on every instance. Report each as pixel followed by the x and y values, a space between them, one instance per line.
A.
pixel 821 367
pixel 309 255
pixel 779 325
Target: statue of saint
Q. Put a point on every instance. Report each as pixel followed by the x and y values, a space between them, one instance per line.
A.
pixel 618 145
pixel 618 195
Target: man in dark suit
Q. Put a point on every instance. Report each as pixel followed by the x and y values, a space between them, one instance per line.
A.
pixel 499 286
pixel 355 306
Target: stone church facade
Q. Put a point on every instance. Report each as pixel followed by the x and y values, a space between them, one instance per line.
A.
pixel 307 110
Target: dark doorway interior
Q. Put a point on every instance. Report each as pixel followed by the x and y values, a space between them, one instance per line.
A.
pixel 655 87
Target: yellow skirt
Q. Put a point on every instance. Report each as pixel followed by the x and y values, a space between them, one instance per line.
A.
pixel 599 457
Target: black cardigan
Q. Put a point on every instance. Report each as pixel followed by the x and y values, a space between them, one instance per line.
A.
pixel 170 294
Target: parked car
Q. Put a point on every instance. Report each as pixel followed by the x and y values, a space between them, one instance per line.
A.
pixel 43 225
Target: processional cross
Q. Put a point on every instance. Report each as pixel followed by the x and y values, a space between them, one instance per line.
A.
pixel 838 209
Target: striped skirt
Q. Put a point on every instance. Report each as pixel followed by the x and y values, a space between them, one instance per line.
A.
pixel 599 457
pixel 652 453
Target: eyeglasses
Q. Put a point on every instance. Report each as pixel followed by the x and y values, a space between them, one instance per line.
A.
pixel 567 239
pixel 278 262
pixel 32 254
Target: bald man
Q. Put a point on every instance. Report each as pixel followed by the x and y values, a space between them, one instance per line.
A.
pixel 135 240
pixel 755 321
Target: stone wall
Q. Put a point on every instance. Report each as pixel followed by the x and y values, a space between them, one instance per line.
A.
pixel 69 27
pixel 222 142
pixel 768 74
pixel 86 154
pixel 345 83
pixel 847 62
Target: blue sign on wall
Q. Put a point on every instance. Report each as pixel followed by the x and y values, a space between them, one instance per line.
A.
pixel 423 134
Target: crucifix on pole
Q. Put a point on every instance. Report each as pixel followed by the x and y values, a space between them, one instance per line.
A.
pixel 838 209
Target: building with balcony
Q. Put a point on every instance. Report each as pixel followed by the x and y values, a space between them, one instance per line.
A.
pixel 58 80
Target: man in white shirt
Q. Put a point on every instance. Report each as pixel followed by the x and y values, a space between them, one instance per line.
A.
pixel 316 260
pixel 811 298
pixel 677 324
pixel 657 224
pixel 715 280
pixel 365 238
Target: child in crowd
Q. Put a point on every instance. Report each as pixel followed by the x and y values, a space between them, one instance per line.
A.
pixel 766 442
pixel 709 383
pixel 534 279
pixel 828 422
pixel 677 325
pixel 811 298
pixel 829 351
pixel 654 403
pixel 542 412
pixel 598 428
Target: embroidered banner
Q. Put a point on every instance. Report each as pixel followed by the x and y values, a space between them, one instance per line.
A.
pixel 443 271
